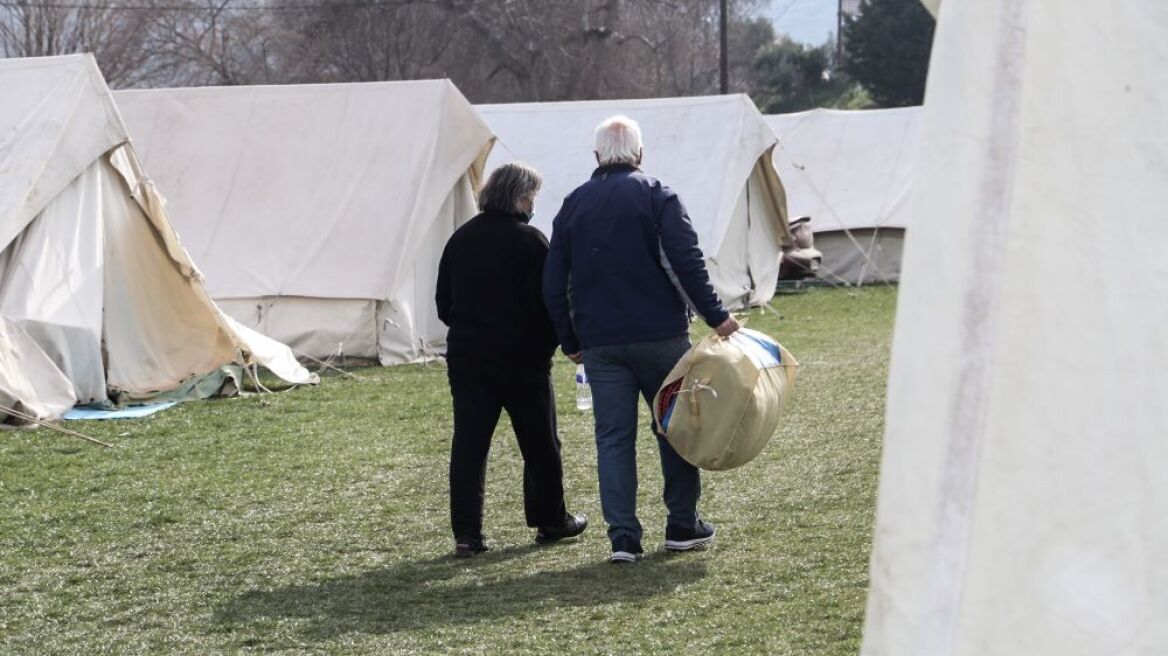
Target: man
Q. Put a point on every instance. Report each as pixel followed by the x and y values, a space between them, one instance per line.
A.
pixel 499 353
pixel 623 264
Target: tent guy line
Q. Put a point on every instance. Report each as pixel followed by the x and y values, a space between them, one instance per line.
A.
pixel 831 210
pixel 50 426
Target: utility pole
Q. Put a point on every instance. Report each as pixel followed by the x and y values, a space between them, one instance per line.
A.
pixel 839 32
pixel 725 71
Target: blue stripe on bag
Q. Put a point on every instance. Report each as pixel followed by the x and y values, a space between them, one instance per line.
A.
pixel 762 349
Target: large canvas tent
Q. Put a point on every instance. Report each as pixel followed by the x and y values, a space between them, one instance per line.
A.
pixel 713 151
pixel 851 172
pixel 318 212
pixel 98 300
pixel 1023 490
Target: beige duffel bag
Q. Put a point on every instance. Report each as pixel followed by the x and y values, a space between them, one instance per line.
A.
pixel 722 402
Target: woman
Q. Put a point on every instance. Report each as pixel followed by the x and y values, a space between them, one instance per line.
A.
pixel 499 353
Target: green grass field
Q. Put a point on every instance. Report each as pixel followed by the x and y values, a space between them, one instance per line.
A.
pixel 315 521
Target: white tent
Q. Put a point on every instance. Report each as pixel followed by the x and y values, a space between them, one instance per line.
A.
pixel 1024 487
pixel 318 212
pixel 98 300
pixel 851 172
pixel 30 382
pixel 713 151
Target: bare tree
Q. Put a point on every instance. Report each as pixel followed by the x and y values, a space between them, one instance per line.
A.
pixel 388 40
pixel 494 50
pixel 34 29
pixel 202 42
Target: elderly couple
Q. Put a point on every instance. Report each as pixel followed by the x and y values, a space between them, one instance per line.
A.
pixel 612 290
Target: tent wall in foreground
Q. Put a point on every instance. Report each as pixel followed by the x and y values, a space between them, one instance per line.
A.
pixel 1023 490
pixel 92 277
pixel 851 171
pixel 713 151
pixel 318 212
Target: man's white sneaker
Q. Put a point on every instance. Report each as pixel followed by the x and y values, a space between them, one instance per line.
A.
pixel 624 557
pixel 684 539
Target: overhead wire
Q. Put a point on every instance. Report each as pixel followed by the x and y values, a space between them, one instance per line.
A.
pixel 13 4
pixel 779 16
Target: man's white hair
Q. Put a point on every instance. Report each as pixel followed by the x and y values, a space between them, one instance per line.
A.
pixel 618 141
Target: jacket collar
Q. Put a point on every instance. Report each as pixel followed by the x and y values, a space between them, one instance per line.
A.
pixel 619 167
pixel 517 216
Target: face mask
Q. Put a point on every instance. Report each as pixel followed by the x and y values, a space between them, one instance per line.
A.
pixel 528 216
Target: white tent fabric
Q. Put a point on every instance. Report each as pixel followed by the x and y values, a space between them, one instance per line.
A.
pixel 55 125
pixel 1023 489
pixel 851 172
pixel 713 151
pixel 90 270
pixel 30 382
pixel 318 212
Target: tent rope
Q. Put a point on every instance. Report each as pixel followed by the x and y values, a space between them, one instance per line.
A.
pixel 323 364
pixel 41 422
pixel 841 284
pixel 831 210
pixel 254 371
pixel 327 364
pixel 430 355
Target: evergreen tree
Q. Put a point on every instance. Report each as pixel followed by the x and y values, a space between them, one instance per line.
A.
pixel 792 77
pixel 886 50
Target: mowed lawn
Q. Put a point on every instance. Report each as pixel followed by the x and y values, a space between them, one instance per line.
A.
pixel 315 521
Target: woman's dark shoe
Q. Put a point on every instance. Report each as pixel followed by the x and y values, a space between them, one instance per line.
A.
pixel 573 525
pixel 468 547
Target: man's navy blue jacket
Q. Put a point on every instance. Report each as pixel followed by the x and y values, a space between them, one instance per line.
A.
pixel 606 281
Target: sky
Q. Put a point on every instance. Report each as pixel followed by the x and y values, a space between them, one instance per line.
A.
pixel 808 21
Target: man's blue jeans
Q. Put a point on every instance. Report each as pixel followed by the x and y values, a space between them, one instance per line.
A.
pixel 618 374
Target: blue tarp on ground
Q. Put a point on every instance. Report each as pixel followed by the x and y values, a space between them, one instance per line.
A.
pixel 131 412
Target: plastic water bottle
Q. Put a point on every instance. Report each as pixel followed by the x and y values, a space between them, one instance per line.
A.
pixel 583 390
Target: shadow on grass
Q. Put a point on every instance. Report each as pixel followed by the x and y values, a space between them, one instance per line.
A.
pixel 448 591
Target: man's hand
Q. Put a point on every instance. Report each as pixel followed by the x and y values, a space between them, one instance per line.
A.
pixel 727 327
pixel 576 357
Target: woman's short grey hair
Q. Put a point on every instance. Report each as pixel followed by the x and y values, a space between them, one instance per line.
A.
pixel 507 186
pixel 618 141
